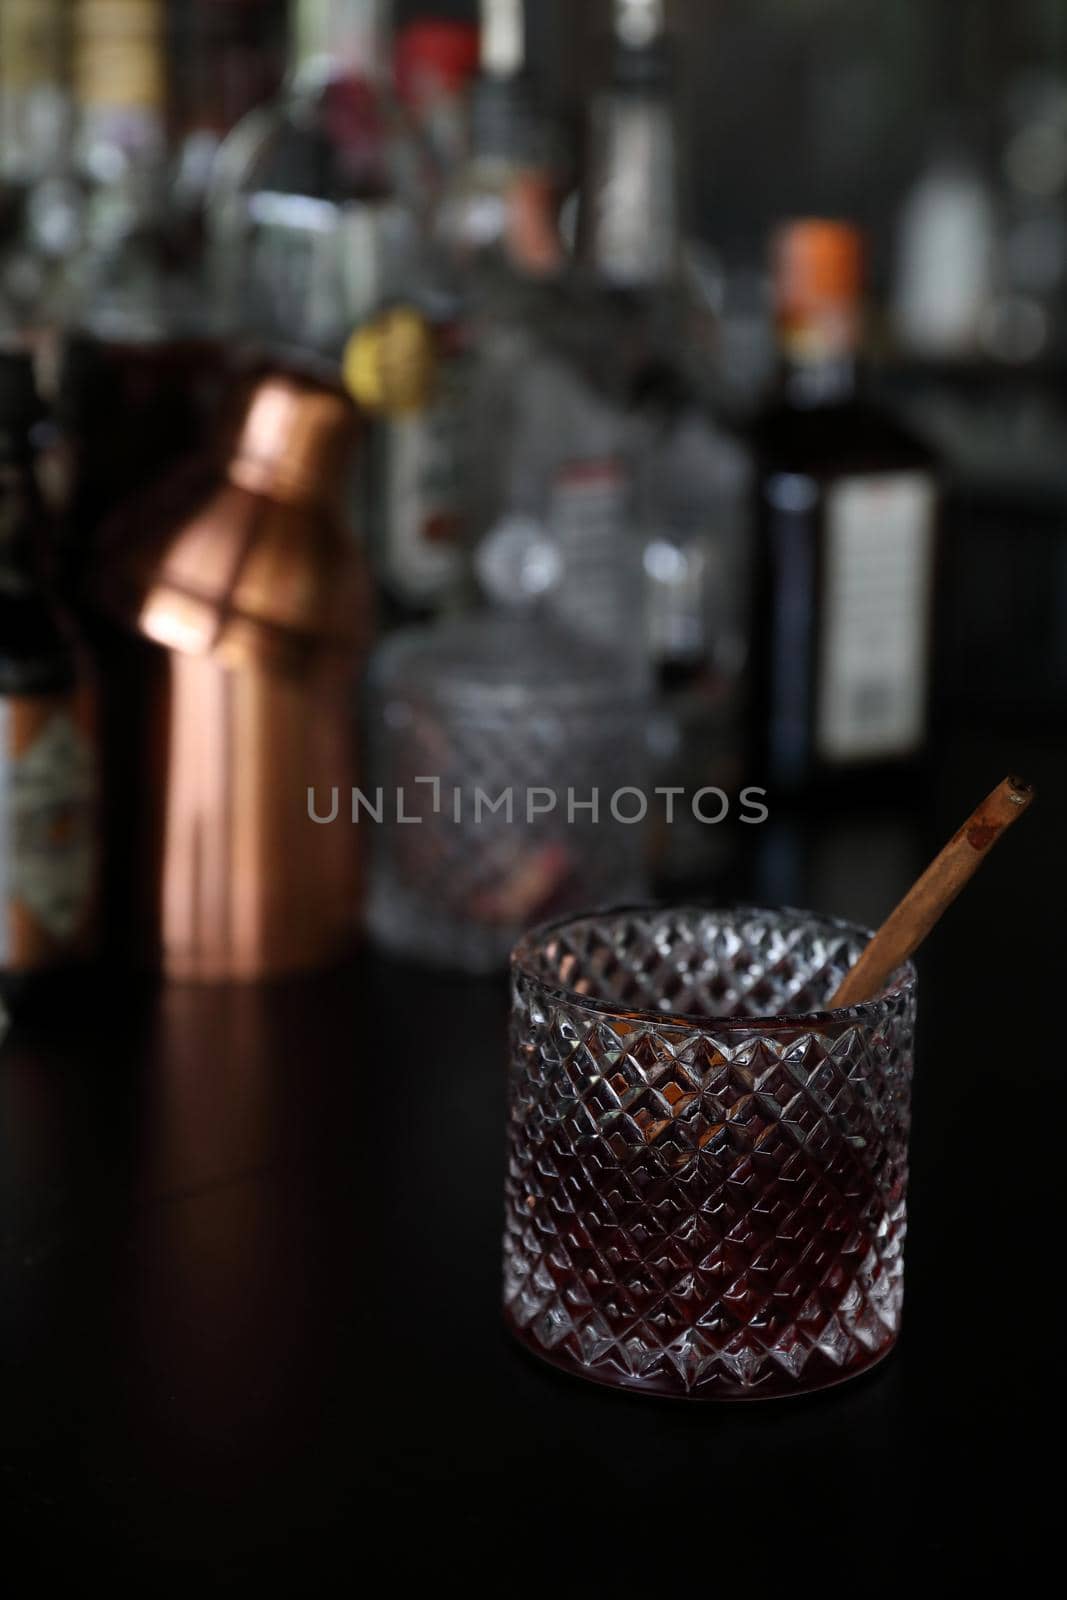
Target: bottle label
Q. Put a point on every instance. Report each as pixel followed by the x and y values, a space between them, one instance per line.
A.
pixel 315 269
pixel 424 505
pixel 48 785
pixel 600 593
pixel 877 592
pixel 634 222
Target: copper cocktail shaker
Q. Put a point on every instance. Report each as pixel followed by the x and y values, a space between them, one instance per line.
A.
pixel 256 597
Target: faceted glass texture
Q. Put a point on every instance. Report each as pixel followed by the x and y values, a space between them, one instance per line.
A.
pixel 707 1173
pixel 487 727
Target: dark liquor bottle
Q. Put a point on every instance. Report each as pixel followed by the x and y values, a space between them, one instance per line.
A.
pixel 141 365
pixel 843 620
pixel 225 58
pixel 47 749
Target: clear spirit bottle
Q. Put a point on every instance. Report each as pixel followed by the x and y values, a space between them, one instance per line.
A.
pixel 317 197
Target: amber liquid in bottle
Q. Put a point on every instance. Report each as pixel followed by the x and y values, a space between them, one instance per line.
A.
pixel 843 619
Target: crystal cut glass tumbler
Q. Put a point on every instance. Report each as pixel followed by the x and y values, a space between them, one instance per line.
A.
pixel 489 727
pixel 707 1173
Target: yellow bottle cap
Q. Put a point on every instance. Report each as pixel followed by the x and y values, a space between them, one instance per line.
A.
pixel 390 363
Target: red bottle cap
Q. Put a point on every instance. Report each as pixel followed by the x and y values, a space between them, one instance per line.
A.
pixel 433 57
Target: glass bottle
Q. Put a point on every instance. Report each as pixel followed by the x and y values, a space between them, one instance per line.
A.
pixel 624 401
pixel 498 224
pixel 408 369
pixel 436 60
pixel 316 197
pixel 126 286
pixel 843 620
pixel 36 218
pixel 500 208
pixel 226 58
pixel 141 364
pixel 48 762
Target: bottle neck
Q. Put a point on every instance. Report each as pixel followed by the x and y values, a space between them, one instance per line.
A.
pixel 639 24
pixel 33 100
pixel 821 355
pixel 811 384
pixel 503 46
pixel 343 36
pixel 630 227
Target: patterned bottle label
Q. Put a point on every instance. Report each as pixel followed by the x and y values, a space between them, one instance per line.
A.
pixel 48 787
pixel 876 625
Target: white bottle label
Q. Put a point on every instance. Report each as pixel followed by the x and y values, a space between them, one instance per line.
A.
pixel 600 592
pixel 877 591
pixel 424 506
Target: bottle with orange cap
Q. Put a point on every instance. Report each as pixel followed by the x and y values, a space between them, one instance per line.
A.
pixel 842 631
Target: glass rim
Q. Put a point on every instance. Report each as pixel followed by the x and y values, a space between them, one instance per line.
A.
pixel 903 981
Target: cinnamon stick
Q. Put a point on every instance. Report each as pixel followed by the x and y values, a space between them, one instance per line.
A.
pixel 922 907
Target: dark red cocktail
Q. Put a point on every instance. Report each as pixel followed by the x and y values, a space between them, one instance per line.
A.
pixel 706 1186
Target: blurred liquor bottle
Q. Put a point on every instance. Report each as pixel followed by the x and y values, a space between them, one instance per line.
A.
pixel 498 225
pixel 651 503
pixel 435 61
pixel 250 610
pixel 141 362
pixel 35 128
pixel 843 621
pixel 946 254
pixel 127 287
pixel 500 207
pixel 48 763
pixel 225 57
pixel 315 197
pixel 408 367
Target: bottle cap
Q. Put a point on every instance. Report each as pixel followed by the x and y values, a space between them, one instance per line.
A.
pixel 229 577
pixel 435 57
pixel 818 285
pixel 503 38
pixel 291 440
pixel 390 363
